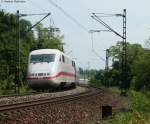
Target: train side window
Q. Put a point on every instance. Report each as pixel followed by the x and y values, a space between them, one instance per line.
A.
pixel 63 58
pixel 60 59
pixel 73 63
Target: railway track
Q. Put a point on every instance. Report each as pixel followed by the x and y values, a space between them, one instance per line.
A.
pixel 58 100
pixel 32 93
pixel 18 95
pixel 29 93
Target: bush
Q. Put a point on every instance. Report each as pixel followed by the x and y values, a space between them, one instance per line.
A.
pixel 141 104
pixel 122 118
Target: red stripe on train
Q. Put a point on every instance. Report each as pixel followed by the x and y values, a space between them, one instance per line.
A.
pixel 55 76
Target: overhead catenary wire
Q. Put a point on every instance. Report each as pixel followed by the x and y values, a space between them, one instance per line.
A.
pixel 38 21
pixel 100 21
pixel 52 23
pixel 98 55
pixel 77 22
pixel 92 39
pixel 94 51
pixel 108 14
pixel 33 14
pixel 68 15
pixel 104 24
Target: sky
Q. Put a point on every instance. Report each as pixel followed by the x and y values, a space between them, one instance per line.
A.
pixel 78 42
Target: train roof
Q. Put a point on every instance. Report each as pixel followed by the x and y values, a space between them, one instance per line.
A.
pixel 44 51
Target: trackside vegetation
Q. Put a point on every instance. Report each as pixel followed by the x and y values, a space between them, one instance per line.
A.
pixel 138 68
pixel 45 38
pixel 137 85
pixel 139 112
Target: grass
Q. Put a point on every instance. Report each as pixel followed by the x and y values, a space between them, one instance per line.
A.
pixel 115 89
pixel 140 110
pixel 141 104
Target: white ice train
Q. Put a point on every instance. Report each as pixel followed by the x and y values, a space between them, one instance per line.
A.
pixel 51 68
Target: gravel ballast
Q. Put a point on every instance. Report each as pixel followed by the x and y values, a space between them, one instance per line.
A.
pixel 18 99
pixel 84 111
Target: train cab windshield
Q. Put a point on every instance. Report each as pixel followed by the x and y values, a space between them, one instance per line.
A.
pixel 42 58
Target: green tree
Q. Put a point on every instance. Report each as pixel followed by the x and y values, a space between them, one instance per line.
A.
pixel 28 42
pixel 141 71
pixel 8 36
pixel 138 67
pixel 49 38
pixel 133 51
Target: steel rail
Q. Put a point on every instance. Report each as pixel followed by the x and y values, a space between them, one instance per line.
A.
pixel 19 95
pixel 29 93
pixel 58 100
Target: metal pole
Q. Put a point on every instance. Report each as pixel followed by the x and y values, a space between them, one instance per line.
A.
pixel 124 54
pixel 124 47
pixel 107 56
pixel 125 43
pixel 88 70
pixel 17 76
pixel 39 45
pixel 17 70
pixel 106 68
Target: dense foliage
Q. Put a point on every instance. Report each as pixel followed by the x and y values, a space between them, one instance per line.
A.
pixel 47 38
pixel 138 67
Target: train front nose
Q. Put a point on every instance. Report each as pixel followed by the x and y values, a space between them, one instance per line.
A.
pixel 40 67
pixel 41 81
pixel 39 75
